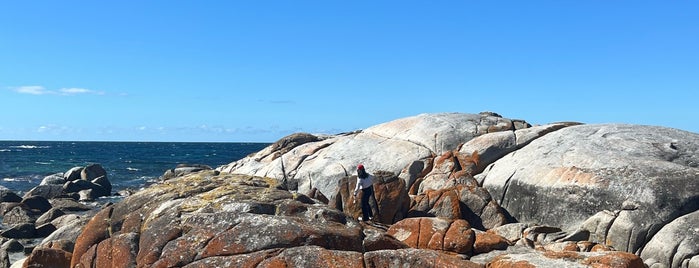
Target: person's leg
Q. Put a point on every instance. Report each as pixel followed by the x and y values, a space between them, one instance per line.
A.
pixel 366 209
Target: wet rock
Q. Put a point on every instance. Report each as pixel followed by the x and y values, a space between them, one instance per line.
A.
pixel 48 191
pixel 38 204
pixel 55 179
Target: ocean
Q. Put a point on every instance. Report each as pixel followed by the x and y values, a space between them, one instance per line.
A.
pixel 129 165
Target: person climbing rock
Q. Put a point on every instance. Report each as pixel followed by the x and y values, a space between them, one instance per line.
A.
pixel 365 183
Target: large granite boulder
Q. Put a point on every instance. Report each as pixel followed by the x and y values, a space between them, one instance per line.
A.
pixel 677 244
pixel 305 161
pixel 440 234
pixel 627 181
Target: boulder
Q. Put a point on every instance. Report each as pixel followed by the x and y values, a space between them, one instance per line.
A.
pixel 464 201
pixel 104 183
pixel 19 215
pixel 55 179
pixel 646 175
pixel 73 174
pixel 9 196
pixel 453 236
pixel 321 162
pixel 92 171
pixel 184 169
pixel 676 244
pixel 47 191
pixel 36 203
pixel 50 215
pixel 48 257
pixel 20 231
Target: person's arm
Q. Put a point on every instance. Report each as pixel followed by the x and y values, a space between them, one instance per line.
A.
pixel 357 187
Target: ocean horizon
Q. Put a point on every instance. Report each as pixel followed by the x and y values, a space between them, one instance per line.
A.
pixel 129 164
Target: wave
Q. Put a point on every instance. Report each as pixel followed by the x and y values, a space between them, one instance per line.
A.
pixel 132 169
pixel 43 163
pixel 29 147
pixel 5 150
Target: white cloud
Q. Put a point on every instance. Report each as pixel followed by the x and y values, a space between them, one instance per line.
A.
pixel 40 90
pixel 33 90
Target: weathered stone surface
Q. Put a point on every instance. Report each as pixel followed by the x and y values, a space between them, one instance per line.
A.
pixel 674 245
pixel 92 171
pixel 73 174
pixel 411 257
pixel 571 259
pixel 55 179
pixel 19 215
pixel 203 217
pixel 104 183
pixel 36 203
pixel 49 216
pixel 645 174
pixel 48 258
pixel 69 205
pixel 435 233
pixel 47 191
pixel 184 169
pixel 487 242
pixel 463 201
pixel 375 239
pixel 321 162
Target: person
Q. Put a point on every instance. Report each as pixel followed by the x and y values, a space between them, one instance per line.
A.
pixel 365 183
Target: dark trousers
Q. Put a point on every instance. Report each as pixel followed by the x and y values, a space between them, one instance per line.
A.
pixel 366 208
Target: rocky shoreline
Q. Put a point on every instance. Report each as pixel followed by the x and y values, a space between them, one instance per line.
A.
pixel 452 190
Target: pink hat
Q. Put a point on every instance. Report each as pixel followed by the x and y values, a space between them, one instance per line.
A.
pixel 360 166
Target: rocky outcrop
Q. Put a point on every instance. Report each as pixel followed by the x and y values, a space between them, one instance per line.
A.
pixel 620 183
pixel 308 162
pixel 612 185
pixel 208 219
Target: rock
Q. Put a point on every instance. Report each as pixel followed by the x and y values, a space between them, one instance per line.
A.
pixel 44 230
pixel 19 215
pixel 48 191
pixel 411 257
pixel 66 231
pixel 55 179
pixel 104 183
pixel 37 203
pixel 375 239
pixel 73 174
pixel 512 231
pixel 464 201
pixel 69 205
pixel 647 174
pixel 49 216
pixel 184 169
pixel 486 242
pixel 12 245
pixel 390 203
pixel 4 259
pixel 675 244
pixel 92 171
pixel 567 259
pixel 321 162
pixel 9 196
pixel 48 257
pixel 204 217
pixel 435 233
pixel 20 231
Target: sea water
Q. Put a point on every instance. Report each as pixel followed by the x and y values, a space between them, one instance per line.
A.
pixel 129 165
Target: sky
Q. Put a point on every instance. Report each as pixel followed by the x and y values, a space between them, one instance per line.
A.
pixel 256 71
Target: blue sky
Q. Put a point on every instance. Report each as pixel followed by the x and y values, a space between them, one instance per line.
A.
pixel 260 70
